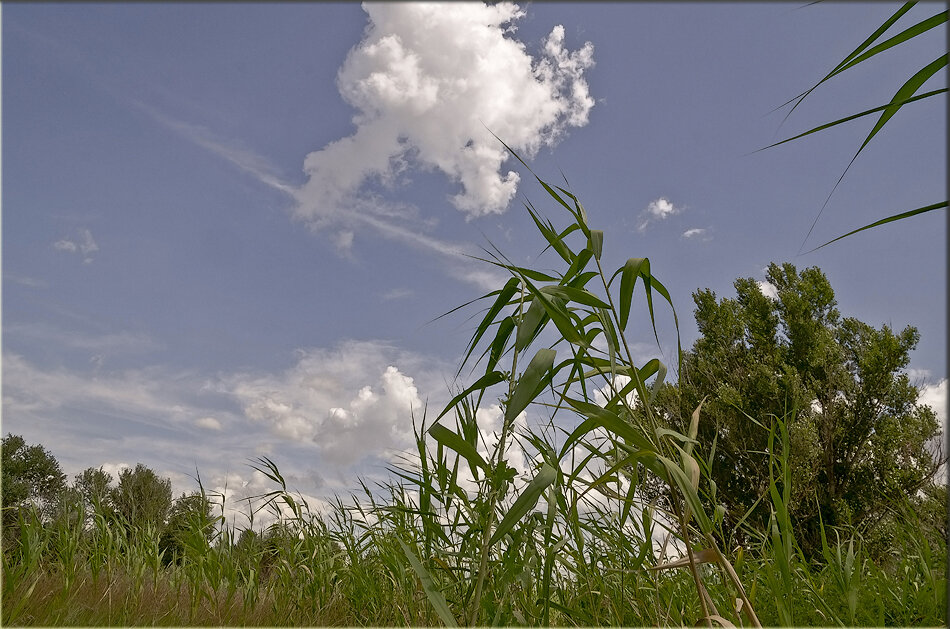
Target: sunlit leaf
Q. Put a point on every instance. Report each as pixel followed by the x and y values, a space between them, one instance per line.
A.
pixel 525 502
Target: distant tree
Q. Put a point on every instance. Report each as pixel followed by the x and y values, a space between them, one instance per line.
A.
pixel 93 489
pixel 141 498
pixel 94 485
pixel 191 525
pixel 31 475
pixel 858 434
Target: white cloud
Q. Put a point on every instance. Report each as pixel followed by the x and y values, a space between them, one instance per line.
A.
pixel 768 289
pixel 609 390
pixel 657 210
pixel 239 156
pixel 332 408
pixel 427 80
pixel 696 232
pixel 23 280
pixel 114 342
pixel 383 223
pixel 935 396
pixel 208 422
pixel 397 293
pixel 84 244
pixel 344 241
pixel 351 403
pixel 114 469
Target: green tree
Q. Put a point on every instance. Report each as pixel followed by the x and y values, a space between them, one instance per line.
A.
pixel 141 498
pixel 94 489
pixel 31 476
pixel 857 433
pixel 191 525
pixel 95 486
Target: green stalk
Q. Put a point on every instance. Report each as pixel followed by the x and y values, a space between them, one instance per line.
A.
pixel 700 590
pixel 493 488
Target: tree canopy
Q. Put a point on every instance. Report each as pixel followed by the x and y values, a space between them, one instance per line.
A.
pixel 142 498
pixel 858 434
pixel 31 475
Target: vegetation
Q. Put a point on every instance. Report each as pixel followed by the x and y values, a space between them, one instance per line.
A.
pixel 859 439
pixel 907 93
pixel 614 510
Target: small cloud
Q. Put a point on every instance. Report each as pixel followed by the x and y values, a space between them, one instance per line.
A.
pixel 344 241
pixel 23 280
pixel 84 244
pixel 657 210
pixel 114 469
pixel 699 233
pixel 768 289
pixel 397 293
pixel 208 422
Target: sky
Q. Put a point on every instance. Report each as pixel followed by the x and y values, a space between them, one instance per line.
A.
pixel 229 230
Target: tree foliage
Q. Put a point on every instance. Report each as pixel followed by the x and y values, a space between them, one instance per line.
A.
pixel 31 475
pixel 190 527
pixel 857 431
pixel 142 498
pixel 95 486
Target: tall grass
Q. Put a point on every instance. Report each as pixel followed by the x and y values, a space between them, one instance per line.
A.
pixel 543 523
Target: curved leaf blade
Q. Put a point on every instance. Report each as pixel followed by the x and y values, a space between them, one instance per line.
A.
pixel 528 384
pixel 432 592
pixel 525 502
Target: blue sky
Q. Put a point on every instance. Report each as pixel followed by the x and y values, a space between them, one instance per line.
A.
pixel 227 228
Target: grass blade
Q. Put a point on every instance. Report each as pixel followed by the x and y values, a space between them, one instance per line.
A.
pixel 896 217
pixel 454 441
pixel 481 384
pixel 529 382
pixel 525 502
pixel 432 592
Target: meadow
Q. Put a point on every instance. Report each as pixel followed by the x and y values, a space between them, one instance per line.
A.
pixel 611 519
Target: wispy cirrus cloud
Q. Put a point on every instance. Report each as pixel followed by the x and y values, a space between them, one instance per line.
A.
pixel 25 280
pixel 392 221
pixel 112 342
pixel 230 150
pixel 697 233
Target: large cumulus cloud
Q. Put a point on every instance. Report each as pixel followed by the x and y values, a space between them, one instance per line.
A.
pixel 428 81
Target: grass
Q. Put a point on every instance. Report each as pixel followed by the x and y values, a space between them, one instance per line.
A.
pixel 533 525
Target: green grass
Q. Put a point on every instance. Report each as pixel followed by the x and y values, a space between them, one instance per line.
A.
pixel 458 537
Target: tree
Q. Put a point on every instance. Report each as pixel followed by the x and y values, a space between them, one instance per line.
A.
pixel 858 436
pixel 95 486
pixel 190 525
pixel 141 498
pixel 31 476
